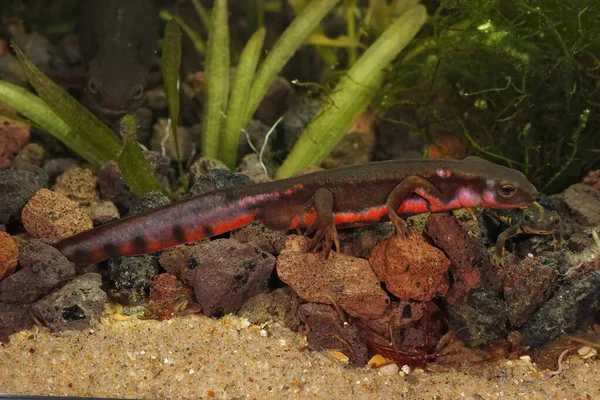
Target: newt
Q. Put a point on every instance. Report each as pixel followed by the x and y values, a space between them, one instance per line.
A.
pixel 534 219
pixel 321 201
pixel 118 41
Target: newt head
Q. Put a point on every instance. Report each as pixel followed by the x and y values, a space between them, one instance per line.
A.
pixel 536 219
pixel 115 85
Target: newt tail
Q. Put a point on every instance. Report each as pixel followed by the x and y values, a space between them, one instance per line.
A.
pixel 322 202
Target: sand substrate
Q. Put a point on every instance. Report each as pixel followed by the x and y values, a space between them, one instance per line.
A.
pixel 198 357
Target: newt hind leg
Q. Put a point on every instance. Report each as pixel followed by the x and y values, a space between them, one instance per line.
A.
pixel 324 225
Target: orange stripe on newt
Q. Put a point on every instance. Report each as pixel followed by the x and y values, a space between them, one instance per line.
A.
pixel 226 226
pixel 371 214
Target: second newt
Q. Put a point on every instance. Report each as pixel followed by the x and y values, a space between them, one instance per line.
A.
pixel 321 201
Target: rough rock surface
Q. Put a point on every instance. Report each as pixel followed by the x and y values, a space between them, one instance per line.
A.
pixel 9 254
pixel 13 318
pixel 148 201
pixel 228 273
pixel 30 154
pixel 411 268
pixel 360 242
pixel 170 297
pixel 79 185
pixel 73 306
pixel 52 216
pixel 280 305
pixel 268 240
pixel 132 276
pixel 583 202
pixel 348 281
pixel 218 179
pixel 13 136
pixel 328 331
pixel 42 268
pixel 16 188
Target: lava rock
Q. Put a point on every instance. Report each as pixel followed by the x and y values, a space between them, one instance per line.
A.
pixel 102 212
pixel 42 268
pixel 52 216
pixel 527 285
pixel 79 185
pixel 13 136
pixel 73 306
pixel 479 319
pixel 470 261
pixel 171 298
pixel 16 188
pixel 218 179
pixel 357 145
pixel 328 331
pixel 397 315
pixel 348 281
pixel 268 240
pixel 295 119
pixel 228 274
pixel 202 165
pixel 278 306
pixel 571 304
pixel 360 242
pixel 57 166
pixel 411 268
pixel 9 254
pixel 31 154
pixel 275 101
pixel 148 201
pixel 13 318
pixel 583 202
pixel 132 277
pixel 181 261
pixel 158 142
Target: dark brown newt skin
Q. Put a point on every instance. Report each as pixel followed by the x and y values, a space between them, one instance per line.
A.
pixel 533 219
pixel 118 41
pixel 321 201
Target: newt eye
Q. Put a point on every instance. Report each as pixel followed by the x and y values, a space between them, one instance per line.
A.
pixel 139 92
pixel 527 218
pixel 507 190
pixel 92 86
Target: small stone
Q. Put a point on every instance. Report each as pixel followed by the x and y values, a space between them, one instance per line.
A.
pixel 74 306
pixel 327 331
pixel 348 281
pixel 565 311
pixel 295 119
pixel 13 318
pixel 10 69
pixel 268 240
pixel 102 212
pixel 57 166
pixel 275 101
pixel 470 261
pixel 411 268
pixel 250 165
pixel 389 370
pixel 218 179
pixel 280 305
pixel 157 99
pixel 181 261
pixel 360 242
pixel 228 273
pixel 52 216
pixel 42 268
pixel 583 202
pixel 398 315
pixel 30 154
pixel 165 142
pixel 36 47
pixel 9 254
pixel 377 360
pixel 132 277
pixel 479 319
pixel 148 201
pixel 79 185
pixel 202 165
pixel 16 188
pixel 527 285
pixel 171 298
pixel 13 136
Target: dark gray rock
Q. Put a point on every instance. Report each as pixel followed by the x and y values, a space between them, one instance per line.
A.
pixel 43 267
pixel 16 188
pixel 148 201
pixel 73 306
pixel 255 232
pixel 326 329
pixel 13 318
pixel 218 178
pixel 132 277
pixel 57 166
pixel 280 305
pixel 572 303
pixel 228 273
pixel 480 319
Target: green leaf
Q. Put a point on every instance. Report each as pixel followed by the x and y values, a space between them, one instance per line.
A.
pixel 194 36
pixel 171 62
pixel 285 47
pixel 134 168
pixel 86 126
pixel 352 95
pixel 34 108
pixel 340 41
pixel 239 96
pixel 202 14
pixel 216 78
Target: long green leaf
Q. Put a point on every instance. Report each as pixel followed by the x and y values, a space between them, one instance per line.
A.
pixel 134 168
pixel 171 62
pixel 202 14
pixel 194 36
pixel 352 95
pixel 216 89
pixel 239 96
pixel 103 142
pixel 285 47
pixel 34 108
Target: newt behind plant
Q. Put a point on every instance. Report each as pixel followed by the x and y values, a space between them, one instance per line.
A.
pixel 118 41
pixel 321 201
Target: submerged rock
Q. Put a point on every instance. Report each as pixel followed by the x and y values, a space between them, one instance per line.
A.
pixel 16 188
pixel 9 254
pixel 132 276
pixel 280 305
pixel 13 318
pixel 218 179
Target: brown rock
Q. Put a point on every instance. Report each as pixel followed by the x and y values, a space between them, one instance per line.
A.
pixel 9 254
pixel 280 305
pixel 13 136
pixel 79 185
pixel 527 285
pixel 360 242
pixel 102 212
pixel 268 240
pixel 583 201
pixel 348 281
pixel 52 216
pixel 398 314
pixel 181 261
pixel 159 142
pixel 411 268
pixel 171 298
pixel 30 154
pixel 13 318
pixel 471 266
